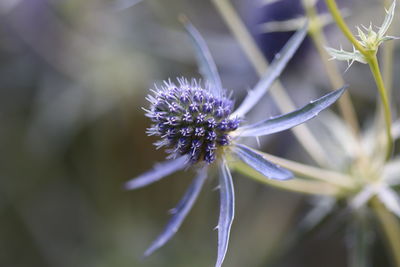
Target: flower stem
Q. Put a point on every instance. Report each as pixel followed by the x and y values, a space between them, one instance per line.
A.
pixel 390 227
pixel 334 10
pixel 388 56
pixel 372 61
pixel 374 66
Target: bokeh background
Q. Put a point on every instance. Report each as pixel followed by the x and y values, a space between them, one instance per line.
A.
pixel 73 78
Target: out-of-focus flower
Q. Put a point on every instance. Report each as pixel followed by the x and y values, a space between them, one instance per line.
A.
pixel 199 128
pixel 370 40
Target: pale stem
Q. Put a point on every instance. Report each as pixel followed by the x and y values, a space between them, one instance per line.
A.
pixel 295 185
pixel 332 177
pixel 281 98
pixel 390 228
pixel 345 104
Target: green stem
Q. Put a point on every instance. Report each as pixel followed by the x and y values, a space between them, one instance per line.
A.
pixel 390 227
pixel 388 56
pixel 374 66
pixel 334 10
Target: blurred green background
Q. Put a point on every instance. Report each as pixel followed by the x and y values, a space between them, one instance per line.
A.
pixel 73 78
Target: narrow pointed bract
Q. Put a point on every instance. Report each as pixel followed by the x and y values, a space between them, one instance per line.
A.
pixel 391 172
pixel 292 119
pixel 362 197
pixel 207 66
pixel 388 20
pixel 390 199
pixel 255 160
pixel 368 40
pixel 274 71
pixel 180 212
pixel 159 171
pixel 227 211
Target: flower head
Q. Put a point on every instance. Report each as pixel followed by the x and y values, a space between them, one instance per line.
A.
pixel 369 39
pixel 190 120
pixel 197 126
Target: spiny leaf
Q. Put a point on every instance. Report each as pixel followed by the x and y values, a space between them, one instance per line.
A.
pixel 180 212
pixel 255 160
pixel 207 66
pixel 272 73
pixel 158 172
pixel 343 55
pixel 227 211
pixel 294 118
pixel 387 21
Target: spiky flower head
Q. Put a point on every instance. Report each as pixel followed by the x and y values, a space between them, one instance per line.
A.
pixel 190 120
pixel 369 40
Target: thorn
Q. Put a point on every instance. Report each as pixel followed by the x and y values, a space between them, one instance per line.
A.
pixel 172 211
pixel 258 141
pixel 217 188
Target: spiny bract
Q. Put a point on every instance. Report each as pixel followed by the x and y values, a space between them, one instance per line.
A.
pixel 190 120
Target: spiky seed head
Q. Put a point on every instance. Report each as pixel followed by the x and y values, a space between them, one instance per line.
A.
pixel 190 120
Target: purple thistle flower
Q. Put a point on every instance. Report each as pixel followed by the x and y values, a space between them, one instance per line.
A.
pixel 198 127
pixel 183 120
